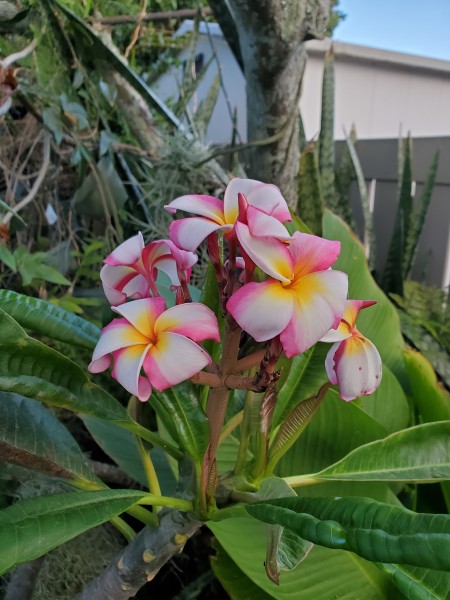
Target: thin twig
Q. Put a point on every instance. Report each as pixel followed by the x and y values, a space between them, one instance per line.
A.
pixel 12 58
pixel 38 181
pixel 137 29
pixel 185 13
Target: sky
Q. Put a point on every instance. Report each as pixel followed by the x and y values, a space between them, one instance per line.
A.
pixel 412 26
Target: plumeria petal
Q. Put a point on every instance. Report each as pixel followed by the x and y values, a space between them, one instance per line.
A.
pixel 127 367
pixel 262 224
pixel 114 279
pixel 337 335
pixel 198 204
pixel 262 309
pixel 269 254
pixel 319 304
pixel 118 334
pixel 352 309
pixel 136 288
pixel 167 265
pixel 268 198
pixel 174 358
pixel 142 314
pixel 230 200
pixel 312 253
pixel 127 253
pixel 154 251
pixel 189 233
pixel 355 365
pixel 193 320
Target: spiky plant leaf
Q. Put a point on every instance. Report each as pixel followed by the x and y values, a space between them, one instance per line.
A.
pixel 310 199
pixel 326 137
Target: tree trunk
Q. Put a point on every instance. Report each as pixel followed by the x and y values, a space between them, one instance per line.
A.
pixel 141 560
pixel 271 36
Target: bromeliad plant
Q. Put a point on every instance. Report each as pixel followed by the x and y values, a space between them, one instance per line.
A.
pixel 229 413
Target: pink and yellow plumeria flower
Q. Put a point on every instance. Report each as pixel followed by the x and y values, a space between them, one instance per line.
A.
pixel 353 362
pixel 267 207
pixel 303 298
pixel 159 342
pixel 130 270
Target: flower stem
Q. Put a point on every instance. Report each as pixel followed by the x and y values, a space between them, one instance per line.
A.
pixel 143 515
pixel 303 480
pixel 245 433
pixel 167 501
pixel 128 532
pixel 231 425
pixel 150 473
pixel 151 437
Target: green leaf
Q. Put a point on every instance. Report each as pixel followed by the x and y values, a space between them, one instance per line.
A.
pixel 101 51
pixel 118 444
pixel 235 582
pixel 179 409
pixel 337 428
pixel 310 200
pixel 210 297
pixel 420 454
pixel 35 526
pixel 306 376
pixel 427 345
pixel 380 323
pixel 293 426
pixel 388 404
pixel 49 320
pixel 326 137
pixel 31 437
pixel 362 188
pixel 418 220
pixel 325 574
pixel 417 583
pixel 431 400
pixel 7 257
pixel 52 120
pixel 345 174
pixel 374 530
pixel 34 370
pixel 393 273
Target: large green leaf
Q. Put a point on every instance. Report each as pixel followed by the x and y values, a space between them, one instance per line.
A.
pixel 388 404
pixel 417 583
pixel 325 573
pixel 49 320
pixel 30 436
pixel 33 527
pixel 306 376
pixel 235 582
pixel 379 323
pixel 178 408
pixel 119 444
pixel 336 429
pixel 420 454
pixel 32 369
pixel 374 530
pixel 431 399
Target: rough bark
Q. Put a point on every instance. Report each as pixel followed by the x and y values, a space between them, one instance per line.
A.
pixel 141 560
pixel 271 37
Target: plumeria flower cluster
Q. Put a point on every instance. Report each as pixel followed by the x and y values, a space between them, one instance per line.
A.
pixel 278 288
